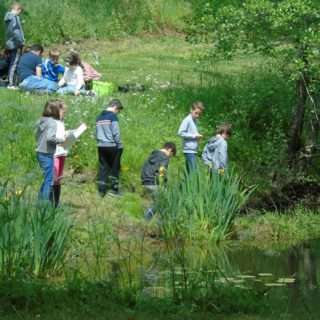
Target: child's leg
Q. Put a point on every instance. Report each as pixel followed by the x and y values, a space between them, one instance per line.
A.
pixel 116 167
pixel 14 57
pixel 151 193
pixel 104 170
pixel 58 175
pixel 191 161
pixel 66 90
pixel 34 83
pixel 46 164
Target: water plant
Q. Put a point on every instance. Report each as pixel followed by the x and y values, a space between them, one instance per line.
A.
pixel 33 236
pixel 200 205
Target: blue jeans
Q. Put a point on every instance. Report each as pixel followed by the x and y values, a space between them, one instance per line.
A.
pixel 34 83
pixel 69 89
pixel 191 161
pixel 46 164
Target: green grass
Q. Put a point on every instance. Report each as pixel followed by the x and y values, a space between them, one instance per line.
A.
pixel 168 67
pixel 288 228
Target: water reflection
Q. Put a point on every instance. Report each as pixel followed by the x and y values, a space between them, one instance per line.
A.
pixel 288 279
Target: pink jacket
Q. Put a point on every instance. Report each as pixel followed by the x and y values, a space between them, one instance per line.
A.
pixel 89 72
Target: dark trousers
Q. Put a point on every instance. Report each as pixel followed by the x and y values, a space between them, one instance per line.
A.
pixel 109 169
pixel 14 57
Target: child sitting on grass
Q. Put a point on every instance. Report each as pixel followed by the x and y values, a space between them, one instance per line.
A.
pixel 51 69
pixel 72 81
pixel 155 169
pixel 30 73
pixel 47 140
pixel 215 153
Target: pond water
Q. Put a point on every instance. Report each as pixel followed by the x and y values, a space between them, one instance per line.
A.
pixel 286 280
pixel 290 277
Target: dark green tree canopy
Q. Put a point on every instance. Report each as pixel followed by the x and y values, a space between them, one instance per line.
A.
pixel 285 30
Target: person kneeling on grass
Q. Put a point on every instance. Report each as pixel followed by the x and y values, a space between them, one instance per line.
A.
pixel 154 171
pixel 215 153
pixel 110 148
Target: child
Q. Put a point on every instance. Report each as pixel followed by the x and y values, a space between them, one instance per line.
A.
pixel 47 140
pixel 215 153
pixel 109 148
pixel 14 39
pixel 188 131
pixel 90 75
pixel 58 163
pixel 51 69
pixel 72 81
pixel 155 169
pixel 30 73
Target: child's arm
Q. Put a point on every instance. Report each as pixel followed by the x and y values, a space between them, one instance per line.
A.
pixel 39 71
pixel 80 79
pixel 62 81
pixel 223 155
pixel 183 131
pixel 52 134
pixel 163 171
pixel 116 133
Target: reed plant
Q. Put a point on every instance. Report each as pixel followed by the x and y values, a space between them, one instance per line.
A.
pixel 200 205
pixel 33 236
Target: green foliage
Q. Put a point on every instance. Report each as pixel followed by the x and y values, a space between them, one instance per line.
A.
pixel 33 238
pixel 285 30
pixel 200 205
pixel 290 228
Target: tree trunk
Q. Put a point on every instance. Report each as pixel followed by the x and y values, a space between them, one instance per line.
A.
pixel 295 136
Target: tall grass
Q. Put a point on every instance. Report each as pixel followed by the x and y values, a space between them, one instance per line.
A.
pixel 200 205
pixel 62 20
pixel 33 237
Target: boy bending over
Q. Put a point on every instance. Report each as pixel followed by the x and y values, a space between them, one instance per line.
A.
pixel 215 153
pixel 154 171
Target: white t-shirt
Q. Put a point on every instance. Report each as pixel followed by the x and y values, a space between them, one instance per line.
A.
pixel 73 77
pixel 60 134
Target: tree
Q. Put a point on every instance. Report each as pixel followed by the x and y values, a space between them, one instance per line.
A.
pixel 286 30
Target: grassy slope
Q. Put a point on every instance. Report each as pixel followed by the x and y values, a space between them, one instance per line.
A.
pixel 149 119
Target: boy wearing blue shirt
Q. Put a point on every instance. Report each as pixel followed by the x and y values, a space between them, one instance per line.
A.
pixel 51 69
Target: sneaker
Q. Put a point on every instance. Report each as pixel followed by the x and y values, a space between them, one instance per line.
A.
pixel 12 88
pixel 114 194
pixel 148 214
